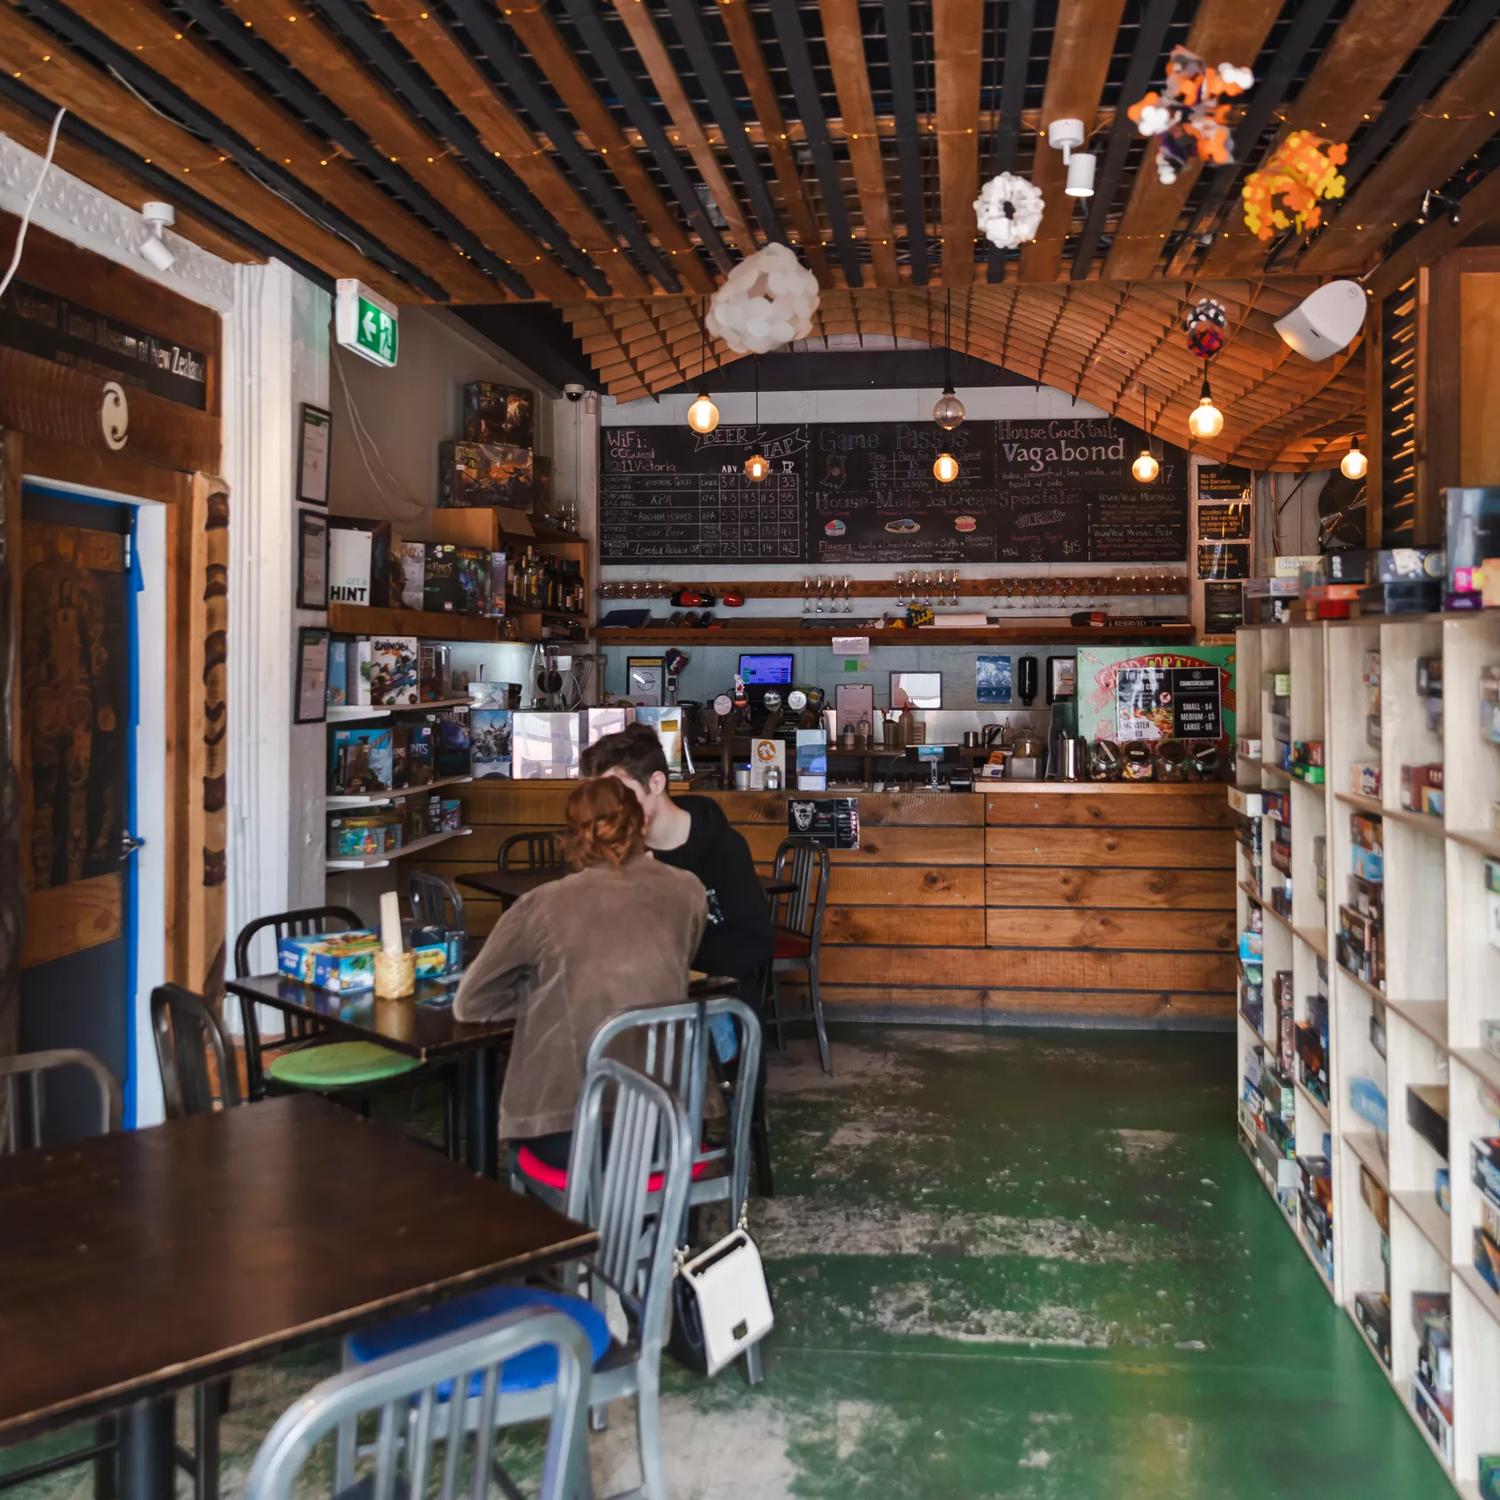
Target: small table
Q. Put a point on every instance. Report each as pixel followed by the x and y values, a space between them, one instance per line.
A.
pixel 137 1264
pixel 421 1026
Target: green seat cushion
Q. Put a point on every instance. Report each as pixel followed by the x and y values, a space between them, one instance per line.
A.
pixel 339 1065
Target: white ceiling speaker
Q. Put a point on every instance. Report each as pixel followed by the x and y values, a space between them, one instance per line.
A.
pixel 1326 320
pixel 159 218
pixel 1067 136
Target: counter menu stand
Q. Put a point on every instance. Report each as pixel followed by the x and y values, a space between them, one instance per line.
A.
pixel 1421 1028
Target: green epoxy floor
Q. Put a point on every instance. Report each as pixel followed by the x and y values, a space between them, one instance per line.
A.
pixel 1010 1266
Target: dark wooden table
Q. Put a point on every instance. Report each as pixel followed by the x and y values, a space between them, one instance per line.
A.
pixel 137 1264
pixel 509 886
pixel 421 1026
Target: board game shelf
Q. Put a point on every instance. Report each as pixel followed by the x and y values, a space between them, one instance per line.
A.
pixel 1384 858
pixel 381 861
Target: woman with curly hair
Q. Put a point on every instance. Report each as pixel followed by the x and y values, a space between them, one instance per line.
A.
pixel 617 934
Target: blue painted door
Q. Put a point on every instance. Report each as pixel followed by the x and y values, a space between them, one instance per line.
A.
pixel 77 680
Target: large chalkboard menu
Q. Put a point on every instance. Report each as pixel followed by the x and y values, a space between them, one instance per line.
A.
pixel 1032 491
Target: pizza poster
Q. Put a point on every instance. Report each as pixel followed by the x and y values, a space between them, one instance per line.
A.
pixel 1125 693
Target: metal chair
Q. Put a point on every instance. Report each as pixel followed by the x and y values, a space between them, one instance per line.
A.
pixel 24 1120
pixel 412 1392
pixel 609 1188
pixel 434 901
pixel 22 1126
pixel 797 916
pixel 187 1035
pixel 310 921
pixel 530 851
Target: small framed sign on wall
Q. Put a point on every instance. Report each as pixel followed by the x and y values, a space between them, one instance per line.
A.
pixel 312 560
pixel 313 444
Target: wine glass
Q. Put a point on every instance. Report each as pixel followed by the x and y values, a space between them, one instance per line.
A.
pixel 807 593
pixel 848 585
pixel 818 585
pixel 901 590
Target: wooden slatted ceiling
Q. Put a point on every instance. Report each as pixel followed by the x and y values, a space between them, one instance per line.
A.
pixel 541 38
pixel 795 208
pixel 59 77
pixel 503 132
pixel 688 129
pixel 145 26
pixel 1223 31
pixel 1343 90
pixel 846 56
pixel 1108 345
pixel 1458 121
pixel 115 181
pixel 1081 47
pixel 958 46
pixel 593 209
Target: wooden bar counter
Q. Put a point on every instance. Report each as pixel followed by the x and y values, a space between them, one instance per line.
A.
pixel 1053 902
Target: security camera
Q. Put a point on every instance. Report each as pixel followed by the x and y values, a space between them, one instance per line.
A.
pixel 159 218
pixel 574 392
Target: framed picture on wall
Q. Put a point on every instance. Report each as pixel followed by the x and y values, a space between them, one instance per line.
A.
pixel 311 705
pixel 313 443
pixel 312 560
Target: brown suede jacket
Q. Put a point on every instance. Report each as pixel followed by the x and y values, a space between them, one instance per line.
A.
pixel 567 957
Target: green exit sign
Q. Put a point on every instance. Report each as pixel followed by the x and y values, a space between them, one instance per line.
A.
pixel 365 323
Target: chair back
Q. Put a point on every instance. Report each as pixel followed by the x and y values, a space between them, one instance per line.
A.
pixel 666 1043
pixel 422 1445
pixel 434 901
pixel 22 1100
pixel 187 1034
pixel 626 1129
pixel 539 850
pixel 307 922
pixel 805 863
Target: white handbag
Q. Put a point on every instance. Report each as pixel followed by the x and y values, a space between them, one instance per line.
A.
pixel 727 1285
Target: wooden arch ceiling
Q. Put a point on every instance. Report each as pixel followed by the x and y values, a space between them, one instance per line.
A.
pixel 615 157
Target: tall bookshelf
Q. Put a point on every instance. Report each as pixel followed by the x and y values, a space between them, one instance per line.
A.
pixel 1416 1028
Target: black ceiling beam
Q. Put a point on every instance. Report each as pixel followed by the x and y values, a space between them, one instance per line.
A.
pixel 478 19
pixel 585 15
pixel 898 46
pixel 1308 17
pixel 264 61
pixel 1019 21
pixel 1428 74
pixel 799 65
pixel 688 20
pixel 171 189
pixel 1150 38
pixel 169 100
pixel 355 27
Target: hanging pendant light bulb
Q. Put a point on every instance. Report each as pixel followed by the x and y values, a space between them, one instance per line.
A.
pixel 1205 420
pixel 1145 468
pixel 945 468
pixel 949 410
pixel 757 466
pixel 703 415
pixel 1355 464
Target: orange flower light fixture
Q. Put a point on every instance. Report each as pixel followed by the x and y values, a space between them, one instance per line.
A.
pixel 1289 191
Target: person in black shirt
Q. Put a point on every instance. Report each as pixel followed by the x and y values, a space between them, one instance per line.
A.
pixel 693 834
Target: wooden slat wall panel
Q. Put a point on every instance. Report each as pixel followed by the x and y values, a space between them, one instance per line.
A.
pixel 1110 848
pixel 1100 904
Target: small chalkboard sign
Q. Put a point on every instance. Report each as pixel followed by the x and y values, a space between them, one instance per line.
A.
pixel 833 821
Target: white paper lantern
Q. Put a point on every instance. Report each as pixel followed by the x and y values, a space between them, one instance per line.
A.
pixel 1009 210
pixel 767 300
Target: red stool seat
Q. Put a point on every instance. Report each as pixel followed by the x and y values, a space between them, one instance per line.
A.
pixel 791 945
pixel 538 1171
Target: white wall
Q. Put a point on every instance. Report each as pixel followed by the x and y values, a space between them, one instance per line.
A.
pixel 385 446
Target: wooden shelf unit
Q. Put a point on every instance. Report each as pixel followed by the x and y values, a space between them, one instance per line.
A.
pixel 1442 978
